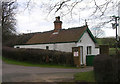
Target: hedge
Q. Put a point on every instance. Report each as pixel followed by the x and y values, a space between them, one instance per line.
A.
pixel 38 56
pixel 106 68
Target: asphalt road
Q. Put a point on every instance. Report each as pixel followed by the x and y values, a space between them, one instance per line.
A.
pixel 0 70
pixel 16 73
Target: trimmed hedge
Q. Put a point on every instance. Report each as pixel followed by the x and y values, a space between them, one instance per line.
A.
pixel 38 56
pixel 106 68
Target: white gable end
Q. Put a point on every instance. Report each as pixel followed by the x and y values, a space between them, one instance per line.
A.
pixel 86 41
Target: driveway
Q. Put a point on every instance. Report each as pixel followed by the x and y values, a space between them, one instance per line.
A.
pixel 16 73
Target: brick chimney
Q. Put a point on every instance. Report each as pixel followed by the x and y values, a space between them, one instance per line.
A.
pixel 57 24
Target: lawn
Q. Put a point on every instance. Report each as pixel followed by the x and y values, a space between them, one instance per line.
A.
pixel 11 61
pixel 85 76
pixel 112 51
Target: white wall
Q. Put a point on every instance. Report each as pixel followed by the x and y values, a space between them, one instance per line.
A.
pixel 66 47
pixel 87 41
pixel 36 46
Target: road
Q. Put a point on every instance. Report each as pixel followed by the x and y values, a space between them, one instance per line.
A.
pixel 0 70
pixel 16 73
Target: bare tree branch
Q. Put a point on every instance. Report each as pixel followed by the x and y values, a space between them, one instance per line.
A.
pixel 97 10
pixel 102 8
pixel 61 4
pixel 27 5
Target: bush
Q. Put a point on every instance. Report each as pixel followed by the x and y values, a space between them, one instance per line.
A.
pixel 38 56
pixel 106 68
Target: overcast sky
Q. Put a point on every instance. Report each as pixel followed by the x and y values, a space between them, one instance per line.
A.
pixel 36 19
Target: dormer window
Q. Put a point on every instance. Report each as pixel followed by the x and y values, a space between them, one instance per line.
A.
pixel 55 33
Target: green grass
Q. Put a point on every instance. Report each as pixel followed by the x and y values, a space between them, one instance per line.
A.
pixel 112 51
pixel 11 61
pixel 85 76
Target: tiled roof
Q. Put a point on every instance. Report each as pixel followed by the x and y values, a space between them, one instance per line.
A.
pixel 64 35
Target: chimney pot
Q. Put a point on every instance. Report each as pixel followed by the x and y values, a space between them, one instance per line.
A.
pixel 58 18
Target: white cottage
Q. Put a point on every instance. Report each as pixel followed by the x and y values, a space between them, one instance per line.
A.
pixel 64 39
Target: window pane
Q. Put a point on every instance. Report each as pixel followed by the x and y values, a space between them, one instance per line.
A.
pixel 89 50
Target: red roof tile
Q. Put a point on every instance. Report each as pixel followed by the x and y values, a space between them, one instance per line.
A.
pixel 64 35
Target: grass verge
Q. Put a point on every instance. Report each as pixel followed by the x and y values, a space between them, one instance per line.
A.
pixel 112 51
pixel 85 76
pixel 11 61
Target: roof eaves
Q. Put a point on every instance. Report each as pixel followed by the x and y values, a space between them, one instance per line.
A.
pixel 81 35
pixel 51 43
pixel 91 35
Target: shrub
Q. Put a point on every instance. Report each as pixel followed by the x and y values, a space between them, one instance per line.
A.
pixel 38 56
pixel 106 68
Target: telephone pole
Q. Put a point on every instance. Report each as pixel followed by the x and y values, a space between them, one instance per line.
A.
pixel 115 25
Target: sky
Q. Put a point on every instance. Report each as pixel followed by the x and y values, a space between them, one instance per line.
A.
pixel 36 17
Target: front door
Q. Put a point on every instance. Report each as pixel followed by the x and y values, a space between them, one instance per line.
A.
pixel 81 55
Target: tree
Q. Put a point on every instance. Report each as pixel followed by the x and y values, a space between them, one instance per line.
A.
pixel 8 20
pixel 0 28
pixel 70 5
pixel 0 13
pixel 97 32
pixel 65 7
pixel 100 11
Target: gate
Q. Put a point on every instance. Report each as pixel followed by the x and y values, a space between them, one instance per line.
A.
pixel 89 60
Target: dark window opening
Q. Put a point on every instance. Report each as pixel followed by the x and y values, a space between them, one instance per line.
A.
pixel 89 50
pixel 17 47
pixel 47 47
